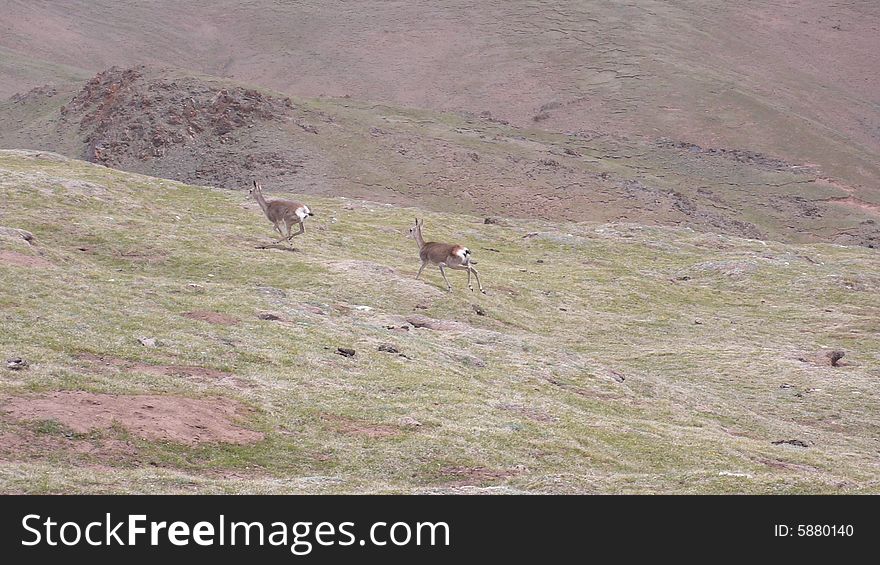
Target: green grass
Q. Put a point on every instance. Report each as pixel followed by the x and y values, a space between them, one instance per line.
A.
pixel 704 329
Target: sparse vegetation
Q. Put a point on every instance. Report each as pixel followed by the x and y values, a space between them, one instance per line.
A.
pixel 583 373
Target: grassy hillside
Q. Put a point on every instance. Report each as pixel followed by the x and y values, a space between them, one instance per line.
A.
pixel 167 354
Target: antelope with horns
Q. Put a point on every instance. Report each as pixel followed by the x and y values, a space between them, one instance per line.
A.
pixel 282 213
pixel 444 255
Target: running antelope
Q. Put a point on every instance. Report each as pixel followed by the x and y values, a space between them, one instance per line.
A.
pixel 444 255
pixel 282 213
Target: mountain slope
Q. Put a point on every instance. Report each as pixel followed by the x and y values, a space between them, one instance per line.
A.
pixel 204 130
pixel 605 357
pixel 794 80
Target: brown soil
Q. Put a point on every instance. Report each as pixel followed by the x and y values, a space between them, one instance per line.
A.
pixel 21 260
pixel 151 417
pixel 212 317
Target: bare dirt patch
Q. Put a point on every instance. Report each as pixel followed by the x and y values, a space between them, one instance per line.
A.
pixel 22 260
pixel 156 418
pixel 212 317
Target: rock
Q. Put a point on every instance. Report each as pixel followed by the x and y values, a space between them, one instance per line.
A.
pixel 419 321
pixel 345 351
pixel 16 364
pixel 148 341
pixel 15 232
pixel 388 348
pixel 492 220
pixel 409 422
pixel 835 356
pixel 269 316
pixel 794 442
pixel 478 310
pixel 617 376
pixel 698 322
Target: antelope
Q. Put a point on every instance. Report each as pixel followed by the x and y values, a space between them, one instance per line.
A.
pixel 444 255
pixel 282 213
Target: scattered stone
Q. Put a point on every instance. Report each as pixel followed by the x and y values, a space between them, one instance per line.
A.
pixel 388 348
pixel 794 442
pixel 530 234
pixel 409 422
pixel 786 385
pixel 270 317
pixel 309 128
pixel 314 309
pixel 617 376
pixel 478 310
pixel 419 321
pixel 835 356
pixel 698 322
pixel 148 341
pixel 15 232
pixel 540 261
pixel 492 220
pixel 345 351
pixel 492 249
pixel 16 364
pixel 734 474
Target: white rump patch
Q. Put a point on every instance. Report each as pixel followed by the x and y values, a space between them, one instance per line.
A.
pixel 464 253
pixel 303 212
